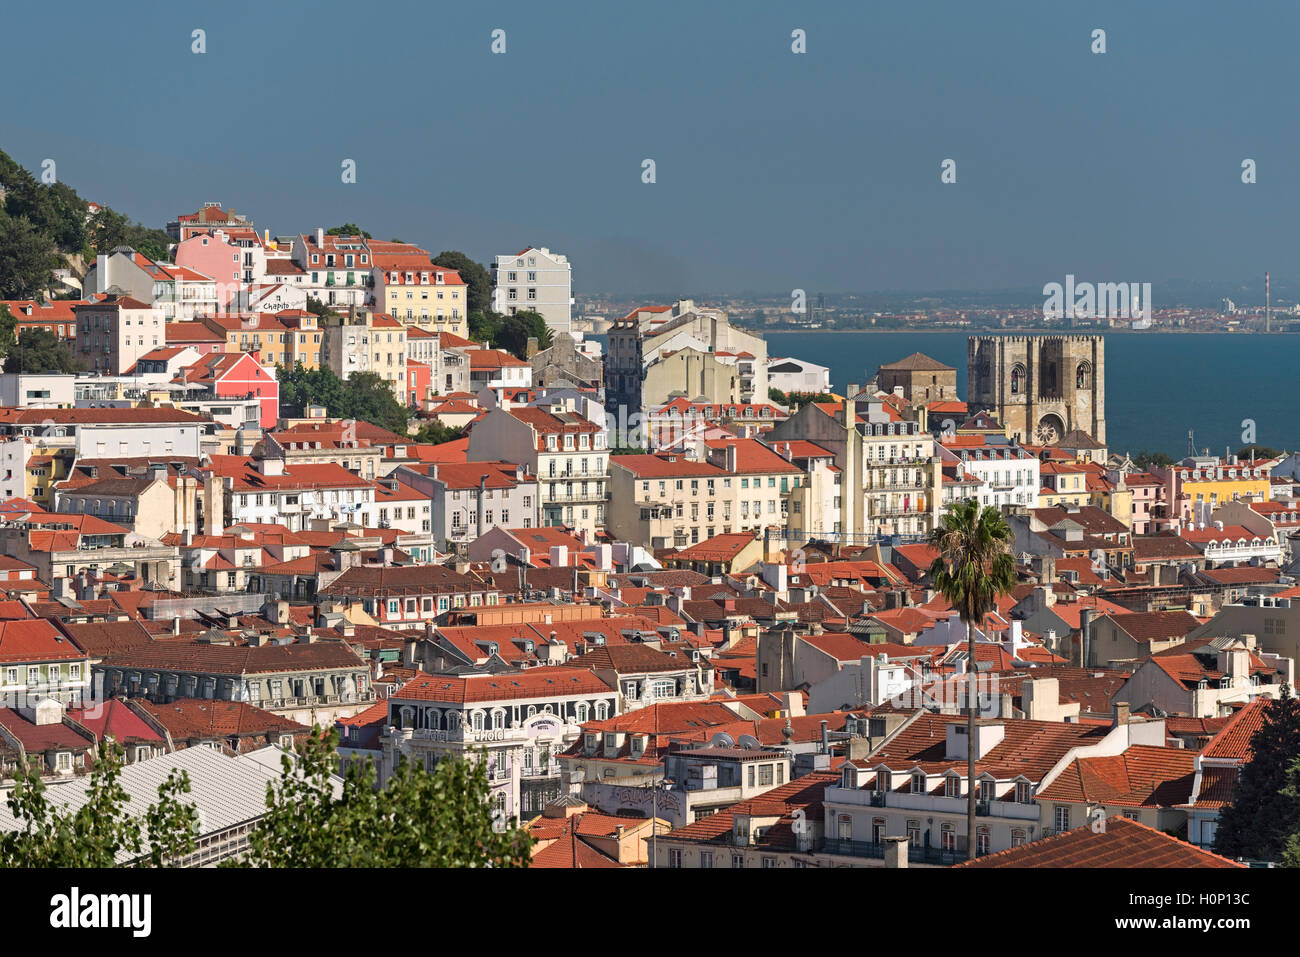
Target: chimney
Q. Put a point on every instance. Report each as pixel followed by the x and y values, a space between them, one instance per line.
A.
pixel 896 851
pixel 559 556
pixel 320 236
pixel 1122 714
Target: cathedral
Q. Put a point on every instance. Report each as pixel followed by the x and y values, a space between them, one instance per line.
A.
pixel 1039 387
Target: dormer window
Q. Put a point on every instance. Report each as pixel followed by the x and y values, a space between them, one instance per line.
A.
pixel 1023 790
pixel 918 783
pixel 952 786
pixel 883 777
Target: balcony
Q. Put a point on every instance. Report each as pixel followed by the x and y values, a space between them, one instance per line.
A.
pixel 894 486
pixel 878 798
pixel 874 850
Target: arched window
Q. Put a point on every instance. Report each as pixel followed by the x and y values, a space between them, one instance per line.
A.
pixel 1017 380
pixel 498 720
pixel 477 720
pixel 602 710
pixel 582 713
pixel 453 720
pixel 1083 376
pixel 532 710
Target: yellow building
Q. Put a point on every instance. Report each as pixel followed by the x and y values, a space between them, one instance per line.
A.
pixel 1213 482
pixel 45 468
pixel 366 342
pixel 414 291
pixel 1063 483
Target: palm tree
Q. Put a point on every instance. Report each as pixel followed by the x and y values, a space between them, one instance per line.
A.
pixel 973 568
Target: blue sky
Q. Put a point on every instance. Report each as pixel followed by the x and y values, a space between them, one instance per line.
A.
pixel 774 170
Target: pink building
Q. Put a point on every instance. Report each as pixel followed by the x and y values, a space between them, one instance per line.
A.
pixel 1148 495
pixel 237 375
pixel 418 384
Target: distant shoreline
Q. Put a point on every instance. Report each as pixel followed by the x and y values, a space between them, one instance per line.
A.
pixel 1035 329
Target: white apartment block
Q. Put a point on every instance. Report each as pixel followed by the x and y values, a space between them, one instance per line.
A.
pixel 535 279
pixel 1008 474
pixel 566 451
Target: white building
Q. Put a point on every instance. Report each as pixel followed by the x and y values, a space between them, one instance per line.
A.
pixel 565 450
pixel 521 721
pixel 29 391
pixel 1008 474
pixel 535 279
pixel 796 375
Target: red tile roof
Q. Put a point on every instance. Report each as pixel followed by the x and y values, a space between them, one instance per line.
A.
pixel 548 682
pixel 1143 776
pixel 35 639
pixel 1233 742
pixel 1124 843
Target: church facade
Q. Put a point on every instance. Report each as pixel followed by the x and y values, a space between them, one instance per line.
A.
pixel 1039 387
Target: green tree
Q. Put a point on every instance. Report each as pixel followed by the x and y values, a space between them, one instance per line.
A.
pixel 100 830
pixel 109 229
pixel 1265 809
pixel 1146 459
pixel 348 229
pixel 517 329
pixel 485 327
pixel 478 280
pixel 8 327
pixel 40 351
pixel 419 818
pixel 973 568
pixel 1258 451
pixel 318 308
pixel 28 258
pixel 435 433
pixel 365 396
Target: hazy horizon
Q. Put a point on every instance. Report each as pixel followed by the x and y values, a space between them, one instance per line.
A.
pixel 774 170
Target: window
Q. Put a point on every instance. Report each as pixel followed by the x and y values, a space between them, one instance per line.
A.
pixel 948 838
pixel 706 858
pixel 675 857
pixel 1062 818
pixel 737 860
pixel 1022 792
pixel 913 833
pixel 845 828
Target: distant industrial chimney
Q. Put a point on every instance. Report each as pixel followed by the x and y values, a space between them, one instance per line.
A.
pixel 1268 306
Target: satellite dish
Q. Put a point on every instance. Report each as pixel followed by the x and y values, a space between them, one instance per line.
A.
pixel 721 740
pixel 749 742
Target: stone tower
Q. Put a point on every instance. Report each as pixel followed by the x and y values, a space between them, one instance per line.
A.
pixel 1039 387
